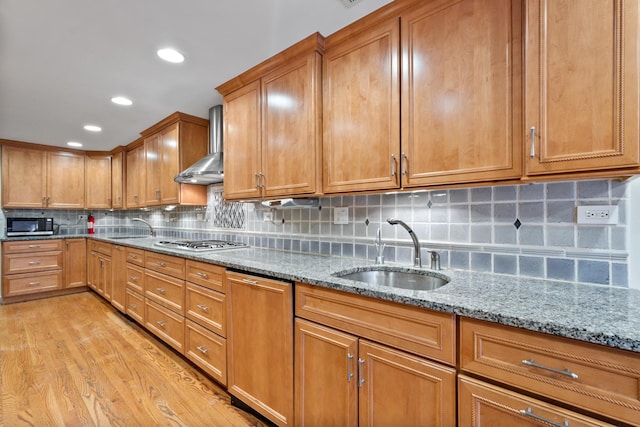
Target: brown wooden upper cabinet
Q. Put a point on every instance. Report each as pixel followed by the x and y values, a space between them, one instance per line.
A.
pixel 134 175
pixel 117 180
pixel 272 126
pixel 171 146
pixel 37 178
pixel 98 181
pixel 581 94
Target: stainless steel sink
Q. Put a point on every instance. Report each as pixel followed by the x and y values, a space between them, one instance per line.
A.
pixel 402 279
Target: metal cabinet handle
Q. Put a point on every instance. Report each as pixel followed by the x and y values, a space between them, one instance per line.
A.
pixel 405 162
pixel 157 194
pixel 202 349
pixel 360 367
pixel 37 246
pixel 34 262
pixel 134 306
pixel 133 256
pixel 529 413
pixel 533 142
pixel 161 264
pixel 349 373
pixel 203 275
pixel 202 307
pixel 257 176
pixel 161 290
pixel 133 278
pixel 161 323
pixel 33 283
pixel 48 199
pixel 261 180
pixel 44 200
pixel 251 282
pixel 393 165
pixel 567 372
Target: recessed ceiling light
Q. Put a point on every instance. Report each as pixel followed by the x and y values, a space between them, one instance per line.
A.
pixel 171 55
pixel 92 128
pixel 74 144
pixel 121 100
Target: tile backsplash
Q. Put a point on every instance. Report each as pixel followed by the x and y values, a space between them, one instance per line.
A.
pixel 526 230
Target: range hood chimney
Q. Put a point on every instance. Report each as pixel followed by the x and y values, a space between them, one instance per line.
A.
pixel 207 170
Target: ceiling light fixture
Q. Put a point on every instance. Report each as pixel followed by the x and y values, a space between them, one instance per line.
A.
pixel 121 100
pixel 171 55
pixel 74 144
pixel 92 128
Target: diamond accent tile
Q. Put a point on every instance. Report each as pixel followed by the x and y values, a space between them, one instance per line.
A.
pixel 226 214
pixel 366 221
pixel 429 204
pixel 517 224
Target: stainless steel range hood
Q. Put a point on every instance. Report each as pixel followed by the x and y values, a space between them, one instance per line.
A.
pixel 209 169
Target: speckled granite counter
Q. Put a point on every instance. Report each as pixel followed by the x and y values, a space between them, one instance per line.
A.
pixel 596 314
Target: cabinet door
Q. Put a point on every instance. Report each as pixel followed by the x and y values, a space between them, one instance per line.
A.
pixel 291 128
pixel 152 164
pixel 581 85
pixel 326 376
pixel 104 278
pixel 135 181
pixel 399 389
pixel 461 92
pixel 361 110
pixel 260 345
pixel 485 405
pixel 119 283
pixel 21 189
pixel 75 263
pixel 169 165
pixel 65 180
pixel 93 266
pixel 98 182
pixel 117 193
pixel 242 157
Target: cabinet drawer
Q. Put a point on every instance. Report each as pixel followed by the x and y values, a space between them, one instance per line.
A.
pixel 207 350
pixel 171 265
pixel 481 404
pixel 207 308
pixel 588 376
pixel 165 290
pixel 135 306
pixel 31 262
pixel 29 283
pixel 101 247
pixel 135 278
pixel 207 275
pixel 135 256
pixel 424 332
pixel 32 246
pixel 165 324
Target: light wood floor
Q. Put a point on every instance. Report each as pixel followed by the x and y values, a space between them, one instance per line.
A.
pixel 74 361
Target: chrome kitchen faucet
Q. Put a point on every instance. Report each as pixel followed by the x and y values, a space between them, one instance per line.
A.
pixel 417 259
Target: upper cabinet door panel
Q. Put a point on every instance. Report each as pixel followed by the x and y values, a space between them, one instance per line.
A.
pixel 23 178
pixel 169 162
pixel 291 131
pixel 242 160
pixel 461 92
pixel 65 182
pixel 581 85
pixel 361 110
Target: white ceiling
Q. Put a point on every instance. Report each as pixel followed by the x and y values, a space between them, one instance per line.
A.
pixel 61 61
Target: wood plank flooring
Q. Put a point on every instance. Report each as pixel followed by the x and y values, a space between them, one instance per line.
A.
pixel 74 361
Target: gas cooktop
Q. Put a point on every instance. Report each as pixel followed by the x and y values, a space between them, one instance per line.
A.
pixel 201 245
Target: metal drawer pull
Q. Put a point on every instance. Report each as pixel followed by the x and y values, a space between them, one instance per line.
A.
pixel 33 283
pixel 161 290
pixel 251 282
pixel 34 262
pixel 161 323
pixel 404 166
pixel 361 379
pixel 35 246
pixel 533 142
pixel 132 256
pixel 134 278
pixel 530 414
pixel 161 264
pixel 530 362
pixel 202 307
pixel 133 306
pixel 202 349
pixel 203 275
pixel 349 373
pixel 393 165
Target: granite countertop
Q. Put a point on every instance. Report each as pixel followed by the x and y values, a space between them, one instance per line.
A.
pixel 597 314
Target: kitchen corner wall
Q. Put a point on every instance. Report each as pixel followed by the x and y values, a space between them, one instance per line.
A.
pixel 527 230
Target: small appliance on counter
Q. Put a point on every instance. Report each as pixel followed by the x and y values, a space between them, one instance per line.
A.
pixel 29 227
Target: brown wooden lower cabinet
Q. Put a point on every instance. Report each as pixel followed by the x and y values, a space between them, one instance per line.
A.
pixel 207 350
pixel 119 283
pixel 484 405
pixel 343 380
pixel 165 324
pixel 135 306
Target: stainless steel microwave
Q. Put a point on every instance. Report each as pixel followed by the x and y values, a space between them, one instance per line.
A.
pixel 29 227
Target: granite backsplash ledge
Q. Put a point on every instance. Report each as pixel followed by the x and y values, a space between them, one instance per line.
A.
pixel 521 230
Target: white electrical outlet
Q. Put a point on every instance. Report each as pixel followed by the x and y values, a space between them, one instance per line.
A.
pixel 600 214
pixel 82 217
pixel 341 215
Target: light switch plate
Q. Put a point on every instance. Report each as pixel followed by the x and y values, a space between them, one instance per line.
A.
pixel 341 215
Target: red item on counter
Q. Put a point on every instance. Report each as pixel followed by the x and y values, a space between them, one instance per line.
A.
pixel 91 222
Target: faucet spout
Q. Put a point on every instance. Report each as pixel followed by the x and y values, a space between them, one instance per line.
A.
pixel 153 232
pixel 417 259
